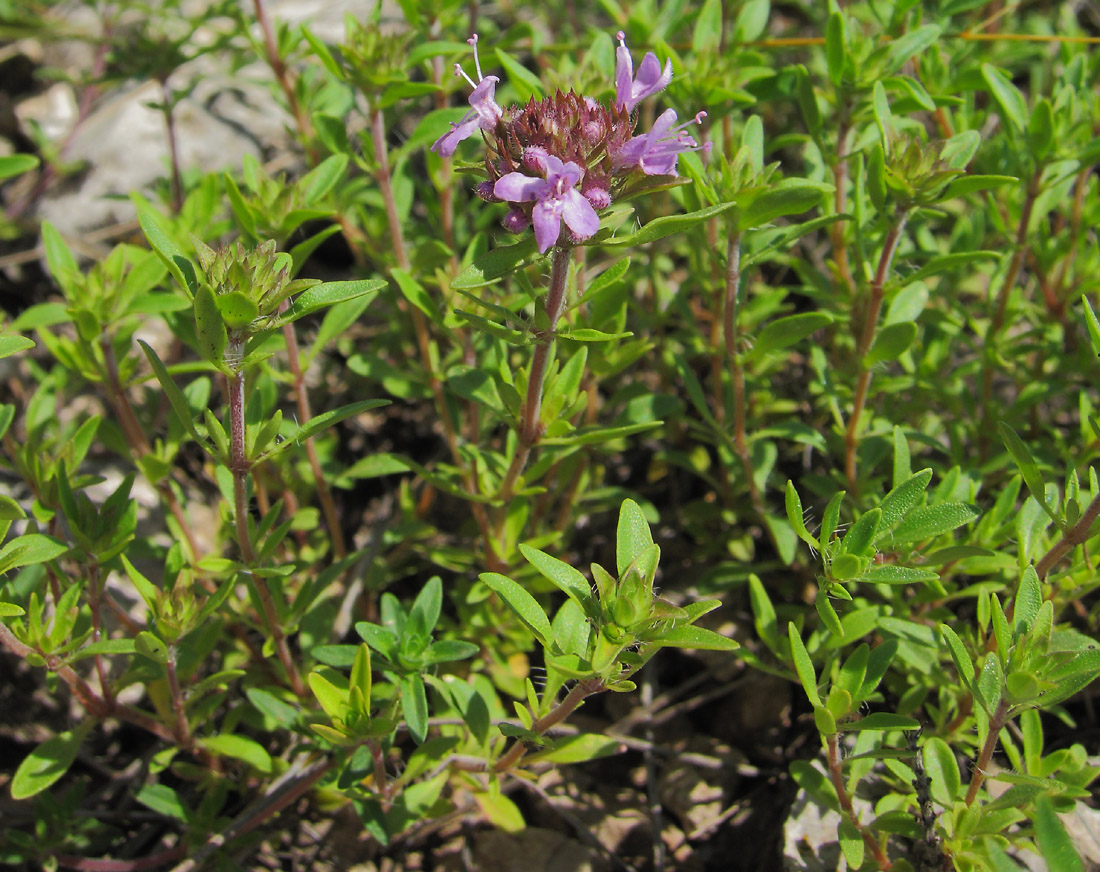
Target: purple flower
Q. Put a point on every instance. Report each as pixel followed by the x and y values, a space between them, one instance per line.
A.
pixel 487 113
pixel 655 153
pixel 556 199
pixel 629 91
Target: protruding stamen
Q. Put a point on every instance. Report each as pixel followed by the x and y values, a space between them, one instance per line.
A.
pixel 472 41
pixel 461 72
pixel 621 37
pixel 699 116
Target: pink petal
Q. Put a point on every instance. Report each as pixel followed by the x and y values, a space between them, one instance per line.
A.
pixel 547 223
pixel 518 188
pixel 624 73
pixel 483 100
pixel 579 214
pixel 446 144
pixel 650 78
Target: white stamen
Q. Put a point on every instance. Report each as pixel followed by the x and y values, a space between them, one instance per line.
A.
pixel 461 72
pixel 477 62
pixel 621 37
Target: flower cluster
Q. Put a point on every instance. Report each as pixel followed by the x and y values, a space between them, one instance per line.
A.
pixel 564 158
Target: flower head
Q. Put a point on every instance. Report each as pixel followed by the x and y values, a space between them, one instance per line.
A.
pixel 486 115
pixel 651 79
pixel 556 199
pixel 566 157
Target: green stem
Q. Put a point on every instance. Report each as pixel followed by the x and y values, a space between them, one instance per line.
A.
pixel 530 427
pixel 867 338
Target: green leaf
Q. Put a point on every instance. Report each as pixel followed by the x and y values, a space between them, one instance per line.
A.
pixel 1008 97
pixel 632 535
pixel 1029 469
pixel 327 294
pixel 526 83
pixel 12 344
pixel 565 577
pixel 1054 842
pixel 764 616
pixel 668 225
pixel 803 666
pixel 942 767
pixel 12 165
pixel 963 664
pixel 499 810
pixel 210 327
pixel 788 197
pixel 237 309
pixel 880 721
pixel 414 705
pixel 239 748
pixel 578 749
pixel 1093 325
pixel 910 44
pixel 60 261
pixel 1029 599
pixel 861 534
pixel 179 265
pixel 751 21
pixel 785 332
pixel 927 522
pixel 269 704
pixel 892 342
pixel 706 36
pixel 851 843
pixel 47 763
pixel 901 499
pixel 495 264
pixel 587 334
pixel 944 263
pixel 890 574
pixel 880 105
pixel 970 184
pixel 11 610
pixel 521 603
pixel 698 638
pixel 164 800
pixel 175 396
pixel 796 516
pixel 335 416
pixel 30 549
pixel 414 292
pixel 322 178
pixel 836 49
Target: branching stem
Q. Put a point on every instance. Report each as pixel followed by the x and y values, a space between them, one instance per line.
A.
pixel 579 692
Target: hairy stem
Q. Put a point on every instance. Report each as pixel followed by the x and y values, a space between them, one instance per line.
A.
pixel 240 467
pixel 867 338
pixel 283 77
pixel 173 147
pixel 530 427
pixel 305 414
pixel 183 729
pixel 580 691
pixel 1001 305
pixel 996 723
pixel 1071 538
pixel 840 204
pixel 836 775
